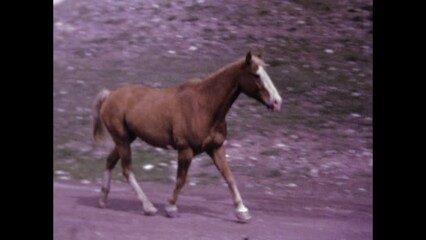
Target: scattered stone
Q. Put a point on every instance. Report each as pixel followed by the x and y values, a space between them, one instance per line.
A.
pixel 56 2
pixel 329 51
pixel 292 185
pixel 64 177
pixel 269 192
pixel 356 94
pixel 281 145
pixel 350 131
pixel 156 20
pixel 60 172
pixel 314 172
pixel 294 136
pixel 236 145
pixel 85 181
pixel 192 48
pixel 148 167
pixel 172 52
pixel 162 164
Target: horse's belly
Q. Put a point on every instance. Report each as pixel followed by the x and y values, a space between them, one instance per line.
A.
pixel 153 130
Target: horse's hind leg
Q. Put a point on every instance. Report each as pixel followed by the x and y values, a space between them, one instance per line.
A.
pixel 112 160
pixel 124 152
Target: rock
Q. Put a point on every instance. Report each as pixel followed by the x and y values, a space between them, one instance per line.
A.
pixel 85 181
pixel 314 172
pixel 64 177
pixel 281 145
pixel 294 136
pixel 148 167
pixel 329 51
pixel 60 172
pixel 162 164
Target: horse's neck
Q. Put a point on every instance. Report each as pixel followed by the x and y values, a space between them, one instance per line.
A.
pixel 219 91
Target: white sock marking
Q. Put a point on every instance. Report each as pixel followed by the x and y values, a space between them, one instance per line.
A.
pixel 141 195
pixel 107 179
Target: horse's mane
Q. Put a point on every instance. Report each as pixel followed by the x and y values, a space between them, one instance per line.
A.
pixel 196 81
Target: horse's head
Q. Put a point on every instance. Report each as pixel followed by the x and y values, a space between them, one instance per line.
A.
pixel 255 82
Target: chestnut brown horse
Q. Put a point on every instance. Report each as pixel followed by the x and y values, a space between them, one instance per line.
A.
pixel 189 118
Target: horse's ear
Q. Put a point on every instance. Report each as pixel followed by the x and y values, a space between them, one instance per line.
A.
pixel 260 54
pixel 248 58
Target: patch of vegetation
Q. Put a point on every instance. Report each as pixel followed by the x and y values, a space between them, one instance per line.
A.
pixel 273 173
pixel 84 167
pixel 270 152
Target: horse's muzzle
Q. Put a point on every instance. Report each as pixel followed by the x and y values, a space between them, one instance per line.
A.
pixel 274 105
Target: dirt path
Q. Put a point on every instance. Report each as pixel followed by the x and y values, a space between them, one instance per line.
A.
pixel 205 213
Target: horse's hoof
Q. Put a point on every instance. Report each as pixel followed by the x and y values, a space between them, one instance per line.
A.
pixel 101 204
pixel 243 217
pixel 171 211
pixel 150 211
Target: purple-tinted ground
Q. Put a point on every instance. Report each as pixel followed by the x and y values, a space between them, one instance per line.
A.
pixel 205 213
pixel 305 172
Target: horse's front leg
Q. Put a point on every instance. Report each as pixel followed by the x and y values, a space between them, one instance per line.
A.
pixel 219 159
pixel 184 161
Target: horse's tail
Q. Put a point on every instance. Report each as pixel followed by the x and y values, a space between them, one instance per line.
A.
pixel 98 126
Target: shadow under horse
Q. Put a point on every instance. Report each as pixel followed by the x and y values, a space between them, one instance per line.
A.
pixel 189 118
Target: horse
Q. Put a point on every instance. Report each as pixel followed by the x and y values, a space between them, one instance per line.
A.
pixel 189 118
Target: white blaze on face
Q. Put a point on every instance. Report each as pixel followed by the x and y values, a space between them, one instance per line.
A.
pixel 270 87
